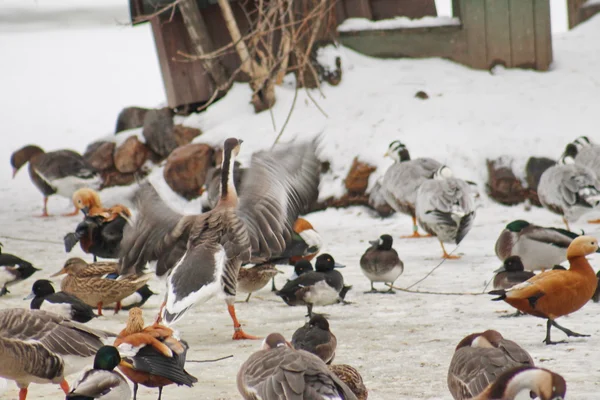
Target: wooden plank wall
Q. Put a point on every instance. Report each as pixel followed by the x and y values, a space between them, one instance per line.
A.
pixel 497 33
pixel 543 35
pixel 522 40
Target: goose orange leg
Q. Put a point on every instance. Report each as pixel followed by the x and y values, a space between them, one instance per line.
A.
pixel 100 309
pixel 446 255
pixel 44 213
pixel 158 319
pixel 415 234
pixel 117 307
pixel 64 386
pixel 22 393
pixel 238 333
pixel 594 221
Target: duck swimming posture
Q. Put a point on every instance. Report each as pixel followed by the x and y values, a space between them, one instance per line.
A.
pixel 101 231
pixel 402 180
pixel 545 384
pixel 89 283
pixel 252 279
pixel 318 288
pixel 152 356
pixel 569 189
pixel 41 347
pixel 204 252
pixel 555 293
pixel 380 263
pixel 479 359
pixel 445 208
pixel 64 304
pixel 352 378
pixel 316 338
pixel 537 246
pixel 102 382
pixel 59 172
pixel 278 372
pixel 13 270
pixel 511 273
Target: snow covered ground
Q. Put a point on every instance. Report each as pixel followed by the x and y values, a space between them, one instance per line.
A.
pixel 66 81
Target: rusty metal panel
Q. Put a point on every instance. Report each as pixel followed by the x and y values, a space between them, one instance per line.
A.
pixel 522 33
pixel 497 32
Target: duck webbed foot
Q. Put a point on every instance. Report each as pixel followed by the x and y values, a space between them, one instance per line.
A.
pixel 568 332
pixel 238 333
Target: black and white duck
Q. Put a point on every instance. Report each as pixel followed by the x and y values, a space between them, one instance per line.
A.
pixel 59 172
pixel 322 287
pixel 13 270
pixel 316 337
pixel 446 208
pixel 64 304
pixel 380 263
pixel 301 267
pixel 280 184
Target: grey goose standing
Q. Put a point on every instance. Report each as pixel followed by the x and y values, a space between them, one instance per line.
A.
pixel 278 372
pixel 203 253
pixel 380 263
pixel 59 172
pixel 316 337
pixel 402 180
pixel 445 208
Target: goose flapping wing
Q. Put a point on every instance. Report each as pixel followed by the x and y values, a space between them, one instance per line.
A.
pixel 278 186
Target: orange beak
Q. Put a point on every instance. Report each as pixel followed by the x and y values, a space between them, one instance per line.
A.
pixel 61 272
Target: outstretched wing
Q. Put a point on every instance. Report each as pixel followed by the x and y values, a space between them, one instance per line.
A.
pixel 158 234
pixel 279 186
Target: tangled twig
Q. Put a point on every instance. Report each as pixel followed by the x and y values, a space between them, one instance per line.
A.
pixel 207 361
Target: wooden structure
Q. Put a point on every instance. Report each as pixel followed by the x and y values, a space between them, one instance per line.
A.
pixel 514 33
pixel 581 10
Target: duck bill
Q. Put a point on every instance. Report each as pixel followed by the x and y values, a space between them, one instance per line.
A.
pixel 374 242
pixel 85 211
pixel 126 364
pixel 336 265
pixel 30 296
pixel 61 272
pixel 501 269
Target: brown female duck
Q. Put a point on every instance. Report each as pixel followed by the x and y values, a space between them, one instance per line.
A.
pixel 252 279
pixel 59 172
pixel 352 378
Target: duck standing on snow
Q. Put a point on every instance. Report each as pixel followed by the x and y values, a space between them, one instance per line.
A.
pixel 255 227
pixel 569 189
pixel 552 294
pixel 64 304
pixel 59 172
pixel 479 359
pixel 380 263
pixel 42 347
pixel 315 337
pixel 252 279
pixel 445 208
pixel 13 270
pixel 322 287
pixel 538 247
pixel 511 273
pixel 278 370
pixel 402 180
pixel 102 381
pixel 101 231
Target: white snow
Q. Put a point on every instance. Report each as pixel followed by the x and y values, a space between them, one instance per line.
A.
pixel 65 80
pixel 364 24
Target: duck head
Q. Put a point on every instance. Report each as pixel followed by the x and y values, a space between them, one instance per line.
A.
pixel 85 199
pixel 511 264
pixel 517 225
pixel 41 288
pixel 302 267
pixel 383 243
pixel 72 266
pixel 273 341
pixel 443 172
pixel 582 246
pixel 544 383
pixel 22 157
pixel 319 321
pixel 326 263
pixel 107 358
pixel 397 151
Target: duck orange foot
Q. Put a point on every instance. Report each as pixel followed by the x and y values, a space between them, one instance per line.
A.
pixel 239 334
pixel 594 221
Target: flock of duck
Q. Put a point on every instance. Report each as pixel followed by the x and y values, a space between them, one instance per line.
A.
pixel 235 245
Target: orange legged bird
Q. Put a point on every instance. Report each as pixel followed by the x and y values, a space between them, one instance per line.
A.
pixel 152 356
pixel 203 253
pixel 557 292
pixel 101 230
pixel 59 172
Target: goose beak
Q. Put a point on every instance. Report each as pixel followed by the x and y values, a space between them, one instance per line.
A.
pixel 337 265
pixel 61 272
pixel 240 141
pixel 30 296
pixel 501 269
pixel 14 172
pixel 387 154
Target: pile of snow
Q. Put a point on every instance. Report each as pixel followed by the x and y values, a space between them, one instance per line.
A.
pixel 364 24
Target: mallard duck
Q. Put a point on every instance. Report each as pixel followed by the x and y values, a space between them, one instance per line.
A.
pixel 102 382
pixel 152 356
pixel 252 228
pixel 101 231
pixel 569 189
pixel 64 304
pixel 538 247
pixel 59 172
pixel 43 347
pixel 318 288
pixel 352 378
pixel 252 279
pixel 511 273
pixel 278 370
pixel 479 359
pixel 315 337
pixel 552 294
pixel 545 384
pixel 402 180
pixel 88 283
pixel 380 263
pixel 445 208
pixel 13 270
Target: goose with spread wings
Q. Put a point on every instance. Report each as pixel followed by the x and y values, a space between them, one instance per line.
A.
pixel 202 254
